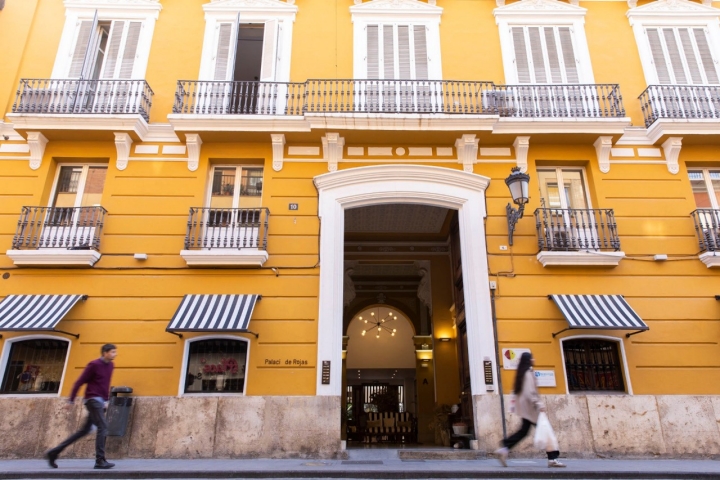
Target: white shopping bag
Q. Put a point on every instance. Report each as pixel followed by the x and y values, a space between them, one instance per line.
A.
pixel 544 436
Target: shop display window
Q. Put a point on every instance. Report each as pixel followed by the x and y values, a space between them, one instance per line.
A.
pixel 215 366
pixel 34 366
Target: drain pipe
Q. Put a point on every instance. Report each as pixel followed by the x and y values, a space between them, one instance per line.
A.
pixel 497 362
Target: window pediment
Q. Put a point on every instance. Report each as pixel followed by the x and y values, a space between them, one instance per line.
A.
pixel 673 11
pixel 135 6
pixel 272 7
pixel 525 9
pixel 395 7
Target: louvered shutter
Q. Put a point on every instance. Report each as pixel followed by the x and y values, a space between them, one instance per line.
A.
pixel 554 67
pixel 388 52
pixel 568 58
pixel 269 54
pixel 675 56
pixel 85 30
pixel 403 50
pixel 113 49
pixel 522 62
pixel 373 52
pixel 682 56
pixel 130 50
pixel 223 49
pixel 658 56
pixel 536 55
pixel 709 66
pixel 421 52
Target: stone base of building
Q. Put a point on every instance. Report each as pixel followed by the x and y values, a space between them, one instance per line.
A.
pixel 672 426
pixel 188 427
pixel 618 426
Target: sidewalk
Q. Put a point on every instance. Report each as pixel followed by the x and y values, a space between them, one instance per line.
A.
pixel 385 468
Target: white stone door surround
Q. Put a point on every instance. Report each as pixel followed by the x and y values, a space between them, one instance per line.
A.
pixel 416 184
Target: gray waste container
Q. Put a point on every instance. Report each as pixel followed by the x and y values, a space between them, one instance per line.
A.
pixel 118 413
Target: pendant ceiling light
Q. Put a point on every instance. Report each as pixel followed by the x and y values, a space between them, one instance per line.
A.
pixel 378 323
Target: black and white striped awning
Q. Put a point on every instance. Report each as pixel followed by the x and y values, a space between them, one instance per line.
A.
pixel 20 313
pixel 600 312
pixel 213 313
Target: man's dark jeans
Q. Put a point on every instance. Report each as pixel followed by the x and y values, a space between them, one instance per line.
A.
pixel 96 417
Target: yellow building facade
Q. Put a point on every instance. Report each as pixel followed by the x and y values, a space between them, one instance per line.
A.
pixel 223 188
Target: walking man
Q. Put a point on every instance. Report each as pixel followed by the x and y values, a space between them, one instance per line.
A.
pixel 96 376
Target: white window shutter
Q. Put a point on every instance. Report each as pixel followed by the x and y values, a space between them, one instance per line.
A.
pixel 569 59
pixel 269 55
pixel 554 61
pixel 221 71
pixel 373 53
pixel 709 66
pixel 85 30
pixel 113 49
pixel 522 62
pixel 388 52
pixel 130 50
pixel 537 55
pixel 403 48
pixel 421 52
pixel 658 56
pixel 674 55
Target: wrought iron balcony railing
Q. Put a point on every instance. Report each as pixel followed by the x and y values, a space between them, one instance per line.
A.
pixel 574 229
pixel 398 97
pixel 707 228
pixel 680 101
pixel 559 101
pixel 121 97
pixel 72 228
pixel 238 98
pixel 230 228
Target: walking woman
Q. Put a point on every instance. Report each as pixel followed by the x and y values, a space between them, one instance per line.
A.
pixel 528 406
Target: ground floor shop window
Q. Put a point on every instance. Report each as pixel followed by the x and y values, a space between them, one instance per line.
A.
pixel 34 366
pixel 216 365
pixel 593 365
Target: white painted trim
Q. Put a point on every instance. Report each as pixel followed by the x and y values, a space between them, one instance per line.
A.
pixel 710 259
pixel 53 257
pixel 589 258
pixel 626 370
pixel 186 354
pixel 133 123
pixel 7 346
pixel 145 11
pixel 244 257
pixel 526 126
pixel 414 184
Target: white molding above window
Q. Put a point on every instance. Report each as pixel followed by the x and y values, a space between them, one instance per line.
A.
pixel 672 13
pixel 249 11
pixel 396 12
pixel 77 11
pixel 549 13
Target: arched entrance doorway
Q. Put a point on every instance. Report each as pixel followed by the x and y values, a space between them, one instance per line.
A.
pixel 405 184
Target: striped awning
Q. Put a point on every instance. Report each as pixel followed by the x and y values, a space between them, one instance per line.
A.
pixel 213 313
pixel 35 312
pixel 601 312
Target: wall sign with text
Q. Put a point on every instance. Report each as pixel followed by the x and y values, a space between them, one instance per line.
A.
pixel 511 357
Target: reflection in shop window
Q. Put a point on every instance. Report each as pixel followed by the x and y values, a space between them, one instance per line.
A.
pixel 216 365
pixel 34 366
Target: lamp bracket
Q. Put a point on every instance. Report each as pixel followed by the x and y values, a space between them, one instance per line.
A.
pixel 513 215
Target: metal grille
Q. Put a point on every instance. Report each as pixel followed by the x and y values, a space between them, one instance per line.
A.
pixel 593 365
pixel 69 179
pixel 216 366
pixel 35 366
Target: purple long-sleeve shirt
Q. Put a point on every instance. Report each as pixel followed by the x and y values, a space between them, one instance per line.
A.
pixel 97 376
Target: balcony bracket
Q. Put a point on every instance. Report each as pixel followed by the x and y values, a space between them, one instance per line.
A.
pixel 672 147
pixel 193 143
pixel 37 142
pixel 513 215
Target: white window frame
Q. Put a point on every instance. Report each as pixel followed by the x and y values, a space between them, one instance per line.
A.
pixel 238 176
pixel 81 181
pixel 186 355
pixel 560 180
pixel 402 12
pixel 682 13
pixel 708 185
pixel 543 13
pixel 227 11
pixel 621 349
pixel 77 11
pixel 5 357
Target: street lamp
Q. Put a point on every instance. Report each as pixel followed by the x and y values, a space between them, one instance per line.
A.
pixel 517 182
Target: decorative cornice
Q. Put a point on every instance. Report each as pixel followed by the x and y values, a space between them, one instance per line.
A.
pixel 603 145
pixel 332 149
pixel 396 5
pixel 114 4
pixel 37 142
pixel 525 7
pixel 244 257
pixel 710 259
pixel 251 6
pixel 278 148
pixel 123 142
pixel 57 257
pixel 193 143
pixel 672 148
pixel 672 7
pixel 586 258
pixel 467 150
pixel 522 145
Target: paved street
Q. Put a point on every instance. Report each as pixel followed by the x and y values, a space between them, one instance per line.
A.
pixel 386 468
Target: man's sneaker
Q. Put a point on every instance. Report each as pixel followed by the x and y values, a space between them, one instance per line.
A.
pixel 103 464
pixel 502 454
pixel 556 464
pixel 51 456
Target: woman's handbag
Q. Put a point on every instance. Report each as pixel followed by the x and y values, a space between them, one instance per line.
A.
pixel 544 436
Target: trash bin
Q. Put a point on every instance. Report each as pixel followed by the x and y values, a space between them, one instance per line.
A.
pixel 118 413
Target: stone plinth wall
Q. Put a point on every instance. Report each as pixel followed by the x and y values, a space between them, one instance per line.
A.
pixel 591 426
pixel 188 427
